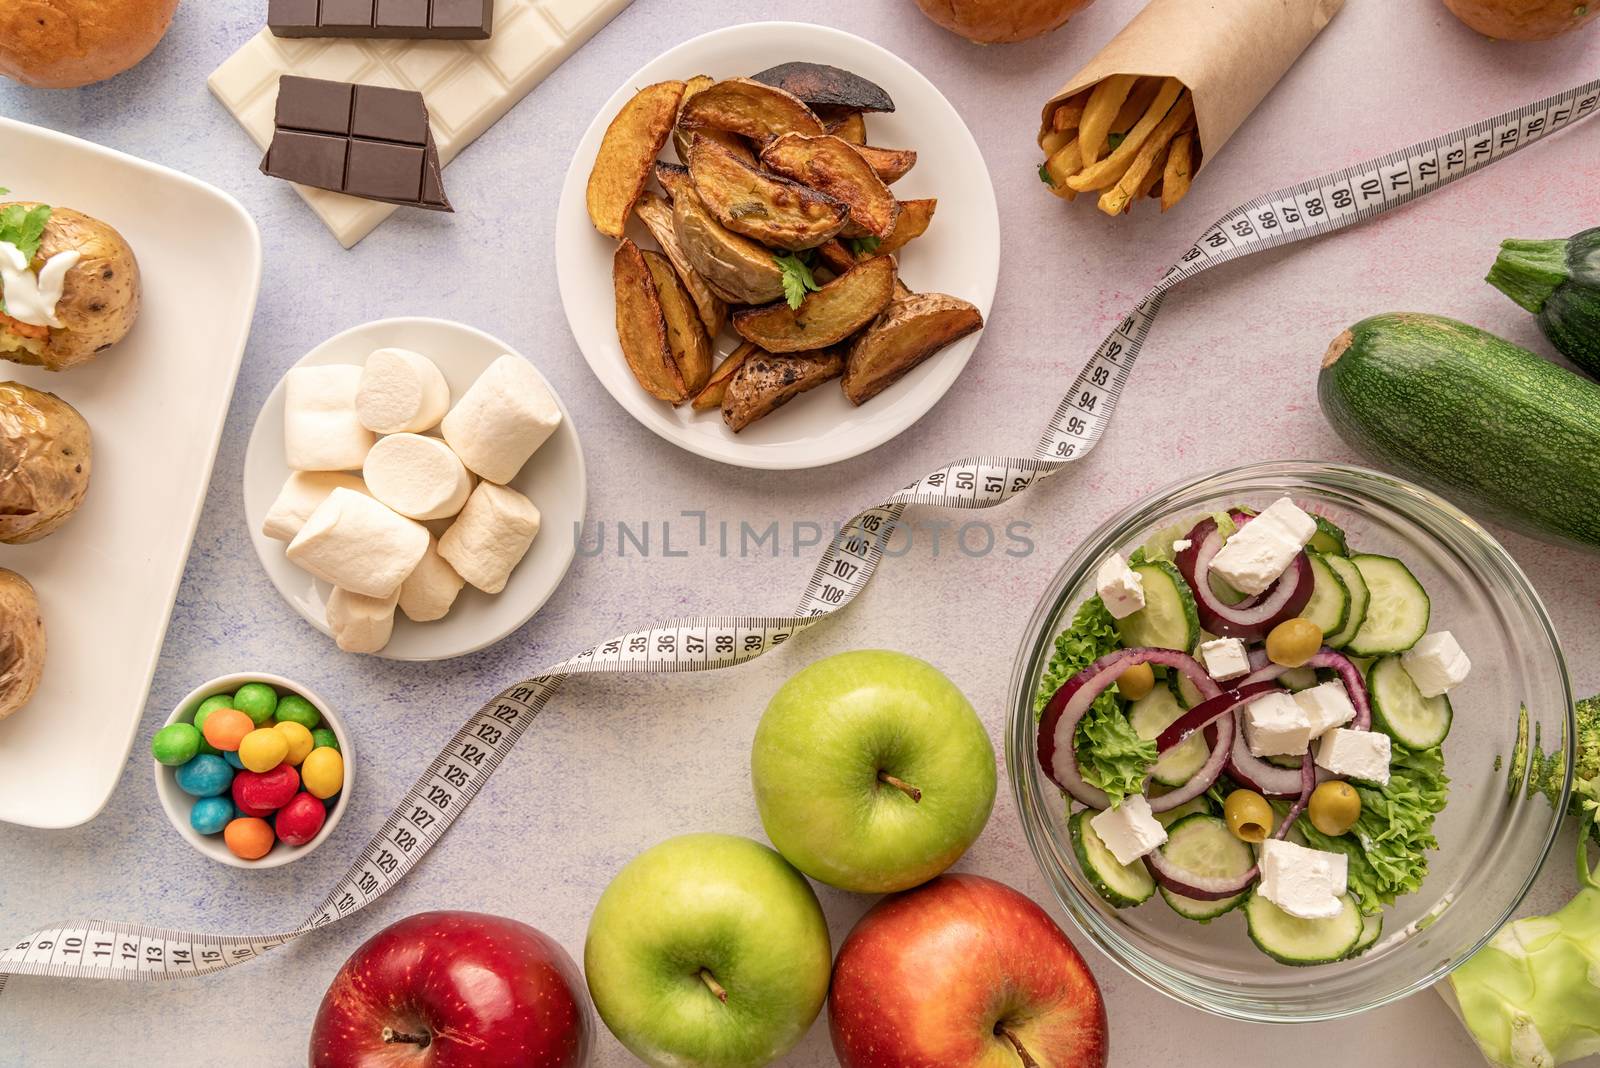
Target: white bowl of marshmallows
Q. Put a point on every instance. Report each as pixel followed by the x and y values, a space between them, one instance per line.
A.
pixel 414 488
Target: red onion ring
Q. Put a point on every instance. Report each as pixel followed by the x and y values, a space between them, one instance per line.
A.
pixel 1178 731
pixel 1266 779
pixel 1308 783
pixel 1254 618
pixel 1226 731
pixel 1354 685
pixel 1058 724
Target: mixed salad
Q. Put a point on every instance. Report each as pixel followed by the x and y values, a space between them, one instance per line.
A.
pixel 1251 714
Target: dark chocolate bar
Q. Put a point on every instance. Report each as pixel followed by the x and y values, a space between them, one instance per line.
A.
pixel 451 20
pixel 364 140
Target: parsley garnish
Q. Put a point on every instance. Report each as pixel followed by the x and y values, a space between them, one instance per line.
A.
pixel 863 246
pixel 1113 140
pixel 1044 175
pixel 24 227
pixel 797 279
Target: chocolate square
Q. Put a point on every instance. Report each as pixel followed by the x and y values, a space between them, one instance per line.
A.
pixel 389 115
pixel 308 158
pixel 343 13
pixel 384 171
pixel 402 15
pixel 313 104
pixel 460 14
pixel 291 12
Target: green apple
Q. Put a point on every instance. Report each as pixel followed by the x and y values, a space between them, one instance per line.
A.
pixel 708 951
pixel 872 772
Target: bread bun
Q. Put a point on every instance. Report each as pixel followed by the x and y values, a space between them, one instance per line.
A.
pixel 1523 20
pixel 61 44
pixel 999 21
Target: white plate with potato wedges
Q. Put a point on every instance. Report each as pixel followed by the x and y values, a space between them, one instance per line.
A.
pixel 759 161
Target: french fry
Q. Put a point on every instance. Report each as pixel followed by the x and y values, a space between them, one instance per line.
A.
pixel 1136 105
pixel 1148 160
pixel 1052 141
pixel 1105 173
pixel 1062 165
pixel 1069 114
pixel 1099 114
pixel 1179 170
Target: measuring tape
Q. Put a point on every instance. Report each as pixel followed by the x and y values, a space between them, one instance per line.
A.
pixel 98 950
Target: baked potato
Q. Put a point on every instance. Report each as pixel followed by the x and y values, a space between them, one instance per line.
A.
pixel 825 317
pixel 911 329
pixel 22 645
pixel 628 152
pixel 1523 20
pixel 100 293
pixel 686 335
pixel 656 214
pixel 736 268
pixel 641 326
pixel 833 167
pixel 776 211
pixel 749 109
pixel 819 85
pixel 999 21
pixel 62 44
pixel 45 458
pixel 764 383
pixel 716 387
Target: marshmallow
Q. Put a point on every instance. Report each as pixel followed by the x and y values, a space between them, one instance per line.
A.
pixel 300 497
pixel 490 536
pixel 430 590
pixel 320 428
pixel 361 624
pixel 401 392
pixel 356 543
pixel 499 422
pixel 416 476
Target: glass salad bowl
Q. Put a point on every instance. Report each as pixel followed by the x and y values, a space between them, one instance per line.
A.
pixel 1492 836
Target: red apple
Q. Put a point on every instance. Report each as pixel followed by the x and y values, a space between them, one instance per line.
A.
pixel 454 990
pixel 963 971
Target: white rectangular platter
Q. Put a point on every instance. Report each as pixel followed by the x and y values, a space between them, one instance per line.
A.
pixel 155 404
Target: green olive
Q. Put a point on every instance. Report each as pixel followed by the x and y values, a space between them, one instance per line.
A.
pixel 1136 682
pixel 1334 808
pixel 1293 642
pixel 1249 816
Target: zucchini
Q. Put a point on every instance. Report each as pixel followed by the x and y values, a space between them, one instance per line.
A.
pixel 1122 885
pixel 1203 844
pixel 1152 714
pixel 1559 282
pixel 1329 607
pixel 1290 940
pixel 1488 424
pixel 1397 607
pixel 1399 709
pixel 1169 619
pixel 1356 587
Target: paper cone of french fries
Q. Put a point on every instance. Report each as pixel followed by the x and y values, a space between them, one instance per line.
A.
pixel 1227 53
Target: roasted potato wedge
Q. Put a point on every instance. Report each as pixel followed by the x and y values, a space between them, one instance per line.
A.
pixel 627 152
pixel 821 85
pixel 732 142
pixel 735 267
pixel 764 383
pixel 686 334
pixel 833 167
pixel 774 210
pixel 642 327
pixel 825 317
pixel 835 258
pixel 892 164
pixel 673 177
pixel 45 458
pixel 711 394
pixel 910 330
pixel 22 644
pixel 750 109
pixel 656 214
pixel 912 222
pixel 850 127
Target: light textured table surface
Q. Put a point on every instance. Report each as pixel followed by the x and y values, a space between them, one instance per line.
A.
pixel 619 764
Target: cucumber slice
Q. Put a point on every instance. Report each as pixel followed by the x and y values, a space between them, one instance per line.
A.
pixel 1290 940
pixel 1400 710
pixel 1122 885
pixel 1183 689
pixel 1329 607
pixel 1297 679
pixel 1397 607
pixel 1371 929
pixel 1168 619
pixel 1204 845
pixel 1152 714
pixel 1356 587
pixel 1328 538
pixel 1201 804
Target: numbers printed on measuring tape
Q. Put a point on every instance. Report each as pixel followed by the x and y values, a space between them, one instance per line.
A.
pixel 102 950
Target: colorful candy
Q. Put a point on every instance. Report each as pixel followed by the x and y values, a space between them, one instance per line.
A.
pixel 258 701
pixel 205 776
pixel 299 740
pixel 248 837
pixel 175 744
pixel 296 709
pixel 261 793
pixel 233 760
pixel 210 705
pixel 322 736
pixel 210 814
pixel 263 749
pixel 225 728
pixel 323 772
pixel 299 821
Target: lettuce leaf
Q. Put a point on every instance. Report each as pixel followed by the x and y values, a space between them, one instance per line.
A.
pixel 1110 755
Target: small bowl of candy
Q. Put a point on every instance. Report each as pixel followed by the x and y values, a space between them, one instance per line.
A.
pixel 253 770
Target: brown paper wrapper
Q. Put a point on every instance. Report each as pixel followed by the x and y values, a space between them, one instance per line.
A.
pixel 1229 53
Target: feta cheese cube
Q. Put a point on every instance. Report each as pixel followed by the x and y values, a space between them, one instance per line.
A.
pixel 1436 663
pixel 1275 725
pixel 1361 755
pixel 1326 706
pixel 1225 658
pixel 1180 545
pixel 1130 830
pixel 1303 882
pixel 1119 586
pixel 1263 548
